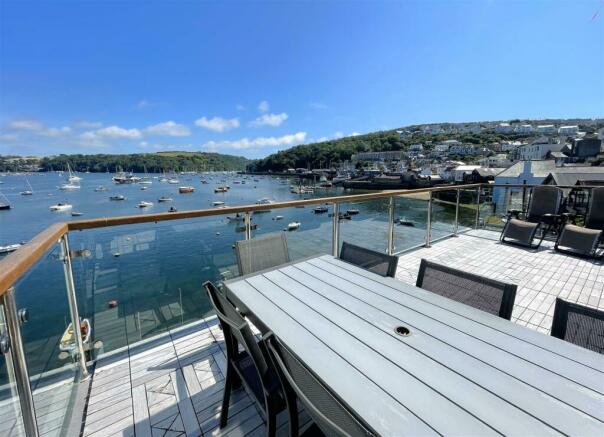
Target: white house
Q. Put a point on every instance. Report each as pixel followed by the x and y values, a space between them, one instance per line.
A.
pixel 465 150
pixel 416 148
pixel 538 149
pixel 499 160
pixel 523 172
pixel 523 129
pixel 568 130
pixel 504 128
pixel 546 129
pixel 472 128
pixel 508 146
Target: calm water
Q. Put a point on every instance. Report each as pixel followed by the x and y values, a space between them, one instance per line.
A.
pixel 142 280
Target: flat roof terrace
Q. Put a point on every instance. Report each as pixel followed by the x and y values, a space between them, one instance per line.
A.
pixel 541 275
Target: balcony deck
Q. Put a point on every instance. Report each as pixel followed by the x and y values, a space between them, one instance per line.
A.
pixel 172 384
pixel 540 275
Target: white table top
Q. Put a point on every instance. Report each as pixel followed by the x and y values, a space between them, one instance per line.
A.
pixel 460 371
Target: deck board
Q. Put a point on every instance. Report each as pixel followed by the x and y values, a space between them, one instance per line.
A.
pixel 170 385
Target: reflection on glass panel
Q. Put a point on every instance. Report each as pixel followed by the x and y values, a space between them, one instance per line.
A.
pixel 46 341
pixel 365 224
pixel 410 216
pixel 11 422
pixel 307 229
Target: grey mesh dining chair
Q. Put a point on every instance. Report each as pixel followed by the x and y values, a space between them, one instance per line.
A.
pixel 485 294
pixel 543 210
pixel 328 412
pixel 585 240
pixel 261 253
pixel 578 324
pixel 251 366
pixel 376 262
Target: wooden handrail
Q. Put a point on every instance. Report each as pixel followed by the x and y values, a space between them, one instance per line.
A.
pixel 13 266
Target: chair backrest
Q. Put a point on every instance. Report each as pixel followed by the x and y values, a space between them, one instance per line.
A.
pixel 328 412
pixel 545 199
pixel 371 260
pixel 579 325
pixel 486 294
pixel 595 214
pixel 236 330
pixel 261 253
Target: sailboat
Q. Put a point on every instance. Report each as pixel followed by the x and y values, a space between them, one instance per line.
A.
pixel 4 204
pixel 28 189
pixel 145 180
pixel 72 177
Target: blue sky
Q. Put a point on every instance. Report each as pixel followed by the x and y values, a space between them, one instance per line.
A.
pixel 250 78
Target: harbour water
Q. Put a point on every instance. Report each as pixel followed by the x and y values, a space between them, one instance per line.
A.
pixel 142 280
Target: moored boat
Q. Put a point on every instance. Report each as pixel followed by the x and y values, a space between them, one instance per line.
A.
pixel 293 226
pixel 184 190
pixel 144 204
pixel 164 199
pixel 67 342
pixel 61 207
pixel 218 203
pixel 118 197
pixel 10 248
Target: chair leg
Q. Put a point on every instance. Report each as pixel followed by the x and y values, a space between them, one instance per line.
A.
pixel 226 398
pixel 271 420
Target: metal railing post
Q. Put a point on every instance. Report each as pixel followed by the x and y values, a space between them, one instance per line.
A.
pixel 247 221
pixel 26 399
pixel 73 306
pixel 335 235
pixel 391 205
pixel 456 227
pixel 477 207
pixel 429 221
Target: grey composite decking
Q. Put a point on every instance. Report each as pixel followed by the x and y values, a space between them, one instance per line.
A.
pixel 170 385
pixel 461 371
pixel 541 275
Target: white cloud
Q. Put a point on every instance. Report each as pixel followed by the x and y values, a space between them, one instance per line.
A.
pixel 26 124
pixel 318 105
pixel 263 106
pixel 257 143
pixel 169 129
pixel 9 137
pixel 269 120
pixel 142 104
pixel 114 132
pixel 240 108
pixel 84 124
pixel 355 134
pixel 56 131
pixel 217 124
pixel 338 135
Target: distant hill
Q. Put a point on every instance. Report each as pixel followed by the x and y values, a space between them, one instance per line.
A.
pixel 152 162
pixel 329 153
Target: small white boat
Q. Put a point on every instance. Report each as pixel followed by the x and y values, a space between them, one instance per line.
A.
pixel 293 226
pixel 173 181
pixel 69 186
pixel 28 189
pixel 320 209
pixel 264 201
pixel 76 214
pixel 144 188
pixel 278 217
pixel 352 211
pixel 67 342
pixel 118 197
pixel 72 177
pixel 100 188
pixel 144 204
pixel 10 248
pixel 218 203
pixel 61 207
pixel 164 199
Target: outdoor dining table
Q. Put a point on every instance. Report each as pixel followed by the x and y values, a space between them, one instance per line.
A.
pixel 410 362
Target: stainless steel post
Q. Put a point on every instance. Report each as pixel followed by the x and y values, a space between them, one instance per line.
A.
pixel 429 221
pixel 247 221
pixel 26 399
pixel 73 306
pixel 335 234
pixel 390 248
pixel 477 207
pixel 456 228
